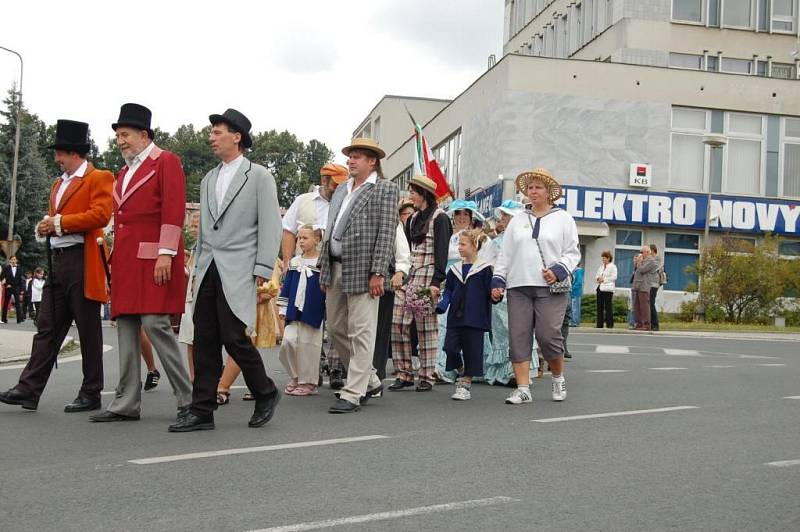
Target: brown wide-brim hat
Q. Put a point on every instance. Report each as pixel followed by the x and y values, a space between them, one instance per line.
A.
pixel 543 175
pixel 364 143
pixel 424 182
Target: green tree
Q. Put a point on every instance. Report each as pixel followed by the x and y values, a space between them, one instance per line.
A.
pixel 33 183
pixel 283 154
pixel 743 279
pixel 315 156
pixel 193 148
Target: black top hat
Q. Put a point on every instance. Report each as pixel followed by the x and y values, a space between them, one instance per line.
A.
pixel 71 136
pixel 237 121
pixel 135 116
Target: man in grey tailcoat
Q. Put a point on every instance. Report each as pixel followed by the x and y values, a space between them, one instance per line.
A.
pixel 240 230
pixel 357 252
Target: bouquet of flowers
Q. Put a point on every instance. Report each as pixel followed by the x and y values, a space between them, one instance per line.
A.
pixel 419 301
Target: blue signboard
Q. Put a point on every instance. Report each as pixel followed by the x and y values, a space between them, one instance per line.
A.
pixel 487 198
pixel 666 209
pixel 684 211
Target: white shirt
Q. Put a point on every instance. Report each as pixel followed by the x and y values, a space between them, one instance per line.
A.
pixel 373 178
pixel 520 263
pixel 36 290
pixel 321 207
pixel 134 165
pixel 75 238
pixel 225 177
pixel 402 251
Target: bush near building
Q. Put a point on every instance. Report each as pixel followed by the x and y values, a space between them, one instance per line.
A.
pixel 589 309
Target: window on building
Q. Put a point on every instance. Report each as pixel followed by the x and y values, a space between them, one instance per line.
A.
pixel 561 44
pixel 376 130
pixel 744 154
pixel 736 66
pixel 402 180
pixel 588 20
pixel 688 153
pixel 791 157
pixel 712 63
pixel 784 15
pixel 688 10
pixel 629 242
pixel 578 27
pixel 790 249
pixel 738 13
pixel 713 13
pixel 783 71
pixel 448 154
pixel 694 62
pixel 762 68
pixel 680 252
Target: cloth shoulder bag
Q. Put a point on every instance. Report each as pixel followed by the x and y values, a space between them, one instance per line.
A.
pixel 559 287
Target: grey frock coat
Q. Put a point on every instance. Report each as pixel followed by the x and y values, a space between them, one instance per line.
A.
pixel 242 236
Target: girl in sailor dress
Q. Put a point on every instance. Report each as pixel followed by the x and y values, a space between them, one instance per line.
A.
pixel 466 299
pixel 301 304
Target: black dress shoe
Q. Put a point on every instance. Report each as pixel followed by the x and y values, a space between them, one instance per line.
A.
pixel 399 384
pixel 567 355
pixel 424 386
pixel 265 409
pixel 81 404
pixel 373 392
pixel 337 379
pixel 191 422
pixel 108 416
pixel 342 406
pixel 17 397
pixel 183 411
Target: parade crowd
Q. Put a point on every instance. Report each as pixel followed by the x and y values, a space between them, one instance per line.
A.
pixel 444 295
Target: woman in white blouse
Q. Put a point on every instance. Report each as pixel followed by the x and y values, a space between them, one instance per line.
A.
pixel 540 248
pixel 606 278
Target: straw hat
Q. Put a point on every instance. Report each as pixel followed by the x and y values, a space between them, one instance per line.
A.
pixel 543 175
pixel 364 144
pixel 337 172
pixel 424 182
pixel 405 203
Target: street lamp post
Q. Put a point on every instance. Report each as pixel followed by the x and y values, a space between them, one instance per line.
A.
pixel 715 141
pixel 13 202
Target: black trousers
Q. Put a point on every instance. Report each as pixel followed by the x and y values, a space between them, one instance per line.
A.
pixel 605 309
pixel 62 302
pixel 653 313
pixel 464 345
pixel 383 335
pixel 216 325
pixel 10 292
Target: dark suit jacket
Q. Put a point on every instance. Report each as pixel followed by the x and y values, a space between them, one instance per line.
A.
pixel 15 282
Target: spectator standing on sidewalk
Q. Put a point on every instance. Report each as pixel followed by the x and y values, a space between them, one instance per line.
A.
pixel 654 288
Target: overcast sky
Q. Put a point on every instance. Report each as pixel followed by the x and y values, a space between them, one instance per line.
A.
pixel 314 67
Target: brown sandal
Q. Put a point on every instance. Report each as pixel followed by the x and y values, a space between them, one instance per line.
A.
pixel 223 398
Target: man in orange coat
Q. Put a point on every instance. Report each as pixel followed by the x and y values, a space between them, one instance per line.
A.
pixel 80 207
pixel 149 207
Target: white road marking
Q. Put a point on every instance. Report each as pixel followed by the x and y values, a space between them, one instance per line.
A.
pixel 71 358
pixel 784 463
pixel 110 392
pixel 396 514
pixel 719 367
pixel 107 348
pixel 793 397
pixel 614 414
pixel 770 365
pixel 246 450
pixel 619 349
pixel 668 368
pixel 607 371
pixel 681 352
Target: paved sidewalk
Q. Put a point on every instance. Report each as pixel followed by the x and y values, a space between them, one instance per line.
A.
pixel 15 344
pixel 733 335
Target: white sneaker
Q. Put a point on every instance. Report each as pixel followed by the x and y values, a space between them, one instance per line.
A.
pixel 517 397
pixel 462 392
pixel 559 388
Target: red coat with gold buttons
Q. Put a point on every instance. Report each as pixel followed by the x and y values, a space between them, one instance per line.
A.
pixel 149 217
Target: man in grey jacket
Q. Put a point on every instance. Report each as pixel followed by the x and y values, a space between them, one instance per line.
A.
pixel 357 252
pixel 240 230
pixel 644 275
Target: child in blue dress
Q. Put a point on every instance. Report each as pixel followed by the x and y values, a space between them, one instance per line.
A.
pixel 301 304
pixel 467 292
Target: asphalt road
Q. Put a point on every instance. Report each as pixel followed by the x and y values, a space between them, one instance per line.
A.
pixel 423 461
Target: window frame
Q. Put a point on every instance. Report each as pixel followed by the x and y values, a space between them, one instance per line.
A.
pixel 703 14
pixel 753 17
pixel 706 181
pixel 762 138
pixel 626 247
pixel 679 251
pixel 792 19
pixel 783 140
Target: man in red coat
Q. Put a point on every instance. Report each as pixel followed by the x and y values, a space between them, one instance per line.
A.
pixel 147 261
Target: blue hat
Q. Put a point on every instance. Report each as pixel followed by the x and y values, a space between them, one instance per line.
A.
pixel 510 207
pixel 466 205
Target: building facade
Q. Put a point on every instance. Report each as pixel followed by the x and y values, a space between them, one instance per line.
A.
pixel 613 106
